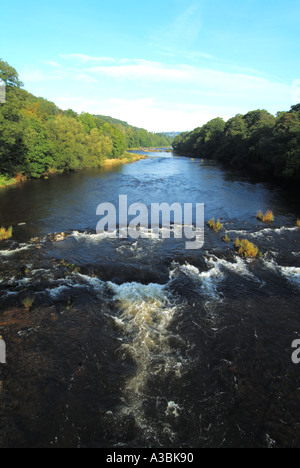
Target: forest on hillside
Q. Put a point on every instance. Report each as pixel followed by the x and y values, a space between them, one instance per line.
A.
pixel 255 141
pixel 36 137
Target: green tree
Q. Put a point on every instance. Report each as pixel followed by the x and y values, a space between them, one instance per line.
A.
pixel 88 121
pixel 38 151
pixel 100 147
pixel 68 141
pixel 9 75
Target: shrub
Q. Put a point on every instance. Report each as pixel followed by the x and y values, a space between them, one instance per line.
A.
pixel 226 238
pixel 246 249
pixel 216 226
pixel 5 233
pixel 269 217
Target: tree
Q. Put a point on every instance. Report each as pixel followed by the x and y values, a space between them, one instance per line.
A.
pixel 9 75
pixel 68 142
pixel 88 121
pixel 117 136
pixel 295 108
pixel 99 148
pixel 287 144
pixel 38 151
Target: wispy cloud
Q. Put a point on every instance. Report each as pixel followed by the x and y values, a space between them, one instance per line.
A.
pixel 183 30
pixel 178 37
pixel 157 95
pixel 51 63
pixel 81 58
pixel 233 83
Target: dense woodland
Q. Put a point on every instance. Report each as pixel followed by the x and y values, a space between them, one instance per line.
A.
pixel 36 137
pixel 255 141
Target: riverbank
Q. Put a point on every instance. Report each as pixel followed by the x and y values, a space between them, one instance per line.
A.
pixel 126 158
pixel 7 181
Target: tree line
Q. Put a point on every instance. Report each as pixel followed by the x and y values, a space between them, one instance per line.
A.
pixel 36 137
pixel 256 141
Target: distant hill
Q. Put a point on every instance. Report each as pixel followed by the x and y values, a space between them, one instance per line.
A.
pixel 172 134
pixel 113 121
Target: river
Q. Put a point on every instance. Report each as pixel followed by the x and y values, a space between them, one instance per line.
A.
pixel 140 342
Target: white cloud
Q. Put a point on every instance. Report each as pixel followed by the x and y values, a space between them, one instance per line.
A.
pixel 81 58
pixel 155 95
pixel 233 83
pixel 36 75
pixel 51 63
pixel 146 113
pixel 85 78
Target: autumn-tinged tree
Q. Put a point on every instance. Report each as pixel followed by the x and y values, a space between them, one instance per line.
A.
pixel 36 136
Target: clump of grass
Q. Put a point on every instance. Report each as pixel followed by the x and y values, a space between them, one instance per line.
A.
pixel 5 233
pixel 269 217
pixel 226 238
pixel 71 268
pixel 298 223
pixel 246 249
pixel 266 218
pixel 215 225
pixel 28 303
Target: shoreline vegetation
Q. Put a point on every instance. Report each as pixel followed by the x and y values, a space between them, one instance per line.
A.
pixel 256 142
pixel 126 158
pixel 7 182
pixel 37 139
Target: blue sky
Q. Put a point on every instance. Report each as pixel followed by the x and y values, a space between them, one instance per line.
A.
pixel 163 65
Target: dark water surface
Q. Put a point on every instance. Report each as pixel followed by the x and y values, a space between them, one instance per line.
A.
pixel 142 343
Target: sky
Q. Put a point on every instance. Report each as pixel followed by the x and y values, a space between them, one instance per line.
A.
pixel 163 65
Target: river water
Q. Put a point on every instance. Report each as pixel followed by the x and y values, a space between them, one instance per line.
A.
pixel 140 342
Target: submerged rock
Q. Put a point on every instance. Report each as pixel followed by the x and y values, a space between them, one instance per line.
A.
pixel 59 237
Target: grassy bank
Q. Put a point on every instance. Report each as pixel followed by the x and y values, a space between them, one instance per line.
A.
pixel 124 159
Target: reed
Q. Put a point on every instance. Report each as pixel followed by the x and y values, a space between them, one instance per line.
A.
pixel 266 218
pixel 215 225
pixel 246 249
pixel 5 233
pixel 269 217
